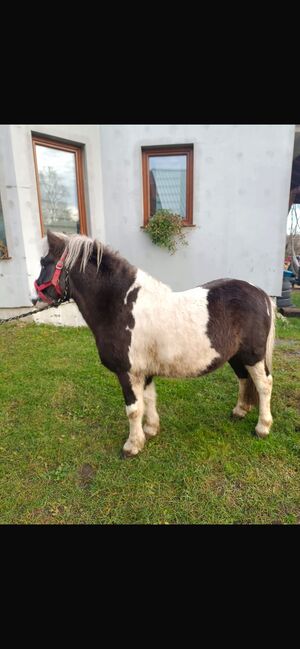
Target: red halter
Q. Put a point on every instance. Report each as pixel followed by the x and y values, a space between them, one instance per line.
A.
pixel 53 282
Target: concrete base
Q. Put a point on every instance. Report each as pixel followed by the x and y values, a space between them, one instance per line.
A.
pixel 66 315
pixel 5 314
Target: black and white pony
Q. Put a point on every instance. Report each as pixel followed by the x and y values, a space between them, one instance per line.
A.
pixel 143 329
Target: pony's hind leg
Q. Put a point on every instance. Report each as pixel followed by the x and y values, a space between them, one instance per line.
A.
pixel 263 382
pixel 151 425
pixel 244 404
pixel 133 390
pixel 242 407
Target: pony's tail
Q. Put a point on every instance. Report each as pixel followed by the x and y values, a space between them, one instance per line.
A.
pixel 271 337
pixel 251 397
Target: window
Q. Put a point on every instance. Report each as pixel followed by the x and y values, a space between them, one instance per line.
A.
pixel 59 175
pixel 3 244
pixel 168 181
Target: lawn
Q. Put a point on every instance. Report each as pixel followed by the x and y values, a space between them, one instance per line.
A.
pixel 64 424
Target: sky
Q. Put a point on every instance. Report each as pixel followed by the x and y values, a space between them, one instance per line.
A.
pixel 167 162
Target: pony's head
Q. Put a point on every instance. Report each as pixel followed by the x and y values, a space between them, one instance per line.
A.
pixel 52 283
pixel 63 252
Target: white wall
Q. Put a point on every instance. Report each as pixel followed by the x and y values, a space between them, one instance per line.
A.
pixel 13 271
pixel 241 191
pixel 20 202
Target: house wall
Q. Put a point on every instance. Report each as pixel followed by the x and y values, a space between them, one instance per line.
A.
pixel 241 190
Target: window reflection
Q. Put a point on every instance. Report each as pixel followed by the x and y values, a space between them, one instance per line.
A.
pixel 58 189
pixel 168 184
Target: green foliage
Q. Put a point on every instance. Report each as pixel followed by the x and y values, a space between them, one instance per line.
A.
pixel 166 230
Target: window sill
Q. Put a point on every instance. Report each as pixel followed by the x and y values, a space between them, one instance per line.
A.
pixel 185 225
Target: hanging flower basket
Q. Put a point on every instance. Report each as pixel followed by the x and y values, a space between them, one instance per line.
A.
pixel 166 230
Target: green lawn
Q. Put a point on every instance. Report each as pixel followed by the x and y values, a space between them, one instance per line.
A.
pixel 64 424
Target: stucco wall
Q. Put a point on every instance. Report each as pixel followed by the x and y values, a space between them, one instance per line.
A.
pixel 241 190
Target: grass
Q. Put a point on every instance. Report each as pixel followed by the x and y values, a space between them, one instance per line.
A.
pixel 64 423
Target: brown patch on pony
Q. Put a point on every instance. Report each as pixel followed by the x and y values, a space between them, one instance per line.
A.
pixel 240 310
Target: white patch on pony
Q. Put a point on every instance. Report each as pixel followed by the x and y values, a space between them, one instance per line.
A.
pixel 131 409
pixel 169 336
pixel 151 425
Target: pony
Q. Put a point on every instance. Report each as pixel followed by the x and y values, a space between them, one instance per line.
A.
pixel 143 329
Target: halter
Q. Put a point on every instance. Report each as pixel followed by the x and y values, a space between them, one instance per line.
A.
pixel 54 282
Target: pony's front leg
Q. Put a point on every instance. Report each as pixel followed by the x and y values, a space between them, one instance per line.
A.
pixel 133 390
pixel 151 425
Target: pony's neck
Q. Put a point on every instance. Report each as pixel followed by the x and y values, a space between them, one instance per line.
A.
pixel 100 294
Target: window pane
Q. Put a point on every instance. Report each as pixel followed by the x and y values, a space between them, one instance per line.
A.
pixel 58 189
pixel 168 184
pixel 3 245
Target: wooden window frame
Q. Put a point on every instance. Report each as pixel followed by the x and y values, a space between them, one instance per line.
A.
pixel 163 150
pixel 71 148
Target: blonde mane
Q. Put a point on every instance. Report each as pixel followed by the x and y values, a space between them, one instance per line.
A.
pixel 80 244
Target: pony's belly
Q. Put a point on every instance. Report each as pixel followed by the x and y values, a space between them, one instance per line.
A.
pixel 174 360
pixel 187 366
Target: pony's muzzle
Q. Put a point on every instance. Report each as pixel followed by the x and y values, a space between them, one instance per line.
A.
pixel 34 297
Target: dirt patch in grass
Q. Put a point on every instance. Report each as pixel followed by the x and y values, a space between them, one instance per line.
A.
pixel 86 475
pixel 286 341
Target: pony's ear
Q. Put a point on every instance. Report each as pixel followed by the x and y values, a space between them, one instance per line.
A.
pixel 56 242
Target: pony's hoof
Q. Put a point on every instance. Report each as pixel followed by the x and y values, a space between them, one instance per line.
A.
pixel 150 431
pixel 128 454
pixel 261 434
pixel 263 429
pixel 237 415
pixel 238 412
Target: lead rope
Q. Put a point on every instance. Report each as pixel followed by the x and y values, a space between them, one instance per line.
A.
pixel 24 315
pixel 64 299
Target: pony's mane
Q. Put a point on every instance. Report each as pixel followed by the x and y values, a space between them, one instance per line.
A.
pixel 78 245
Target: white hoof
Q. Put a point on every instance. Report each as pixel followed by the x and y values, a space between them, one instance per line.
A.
pixel 150 430
pixel 239 412
pixel 262 430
